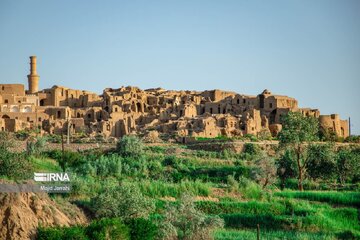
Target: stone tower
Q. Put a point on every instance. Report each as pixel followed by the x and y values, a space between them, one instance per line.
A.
pixel 33 78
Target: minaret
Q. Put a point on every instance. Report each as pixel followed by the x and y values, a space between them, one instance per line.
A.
pixel 33 78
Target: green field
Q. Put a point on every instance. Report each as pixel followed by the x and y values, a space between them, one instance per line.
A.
pixel 224 186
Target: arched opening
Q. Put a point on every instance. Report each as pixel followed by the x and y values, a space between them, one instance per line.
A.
pixel 139 109
pixel 58 114
pixel 272 116
pixel 211 110
pixel 5 117
pixel 27 109
pixel 42 102
pixel 78 115
pixel 14 109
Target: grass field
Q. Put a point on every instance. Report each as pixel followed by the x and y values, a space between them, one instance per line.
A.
pixel 215 183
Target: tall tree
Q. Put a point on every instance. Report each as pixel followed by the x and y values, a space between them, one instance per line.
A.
pixel 297 131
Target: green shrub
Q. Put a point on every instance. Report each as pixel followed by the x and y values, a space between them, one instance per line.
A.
pixel 35 145
pixel 22 134
pixel 50 234
pixel 124 201
pixel 156 149
pixel 108 229
pixel 60 233
pixel 130 146
pixel 163 189
pixel 75 233
pixel 103 166
pixel 14 165
pixel 184 221
pixel 251 149
pixel 142 229
pixel 348 165
pixel 263 170
pixel 320 162
pixel 250 189
pixel 353 139
pixel 233 185
pixel 286 167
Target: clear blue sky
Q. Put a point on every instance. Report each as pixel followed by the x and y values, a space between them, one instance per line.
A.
pixel 306 49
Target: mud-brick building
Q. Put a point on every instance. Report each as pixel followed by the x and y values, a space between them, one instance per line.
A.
pixel 130 110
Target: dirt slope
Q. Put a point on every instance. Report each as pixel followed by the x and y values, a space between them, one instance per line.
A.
pixel 22 213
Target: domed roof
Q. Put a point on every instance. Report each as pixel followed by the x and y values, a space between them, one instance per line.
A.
pixel 266 91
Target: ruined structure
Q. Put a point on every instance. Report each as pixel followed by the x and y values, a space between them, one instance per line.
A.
pixel 130 110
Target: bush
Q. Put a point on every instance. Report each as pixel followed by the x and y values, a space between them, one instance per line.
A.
pixel 69 159
pixel 14 165
pixel 250 189
pixel 108 229
pixel 142 229
pixel 164 189
pixel 233 185
pixel 22 134
pixel 286 166
pixel 104 166
pixel 251 149
pixel 130 146
pixel 75 233
pixel 50 234
pixel 35 145
pixel 264 171
pixel 184 221
pixel 348 165
pixel 353 139
pixel 124 201
pixel 58 233
pixel 320 163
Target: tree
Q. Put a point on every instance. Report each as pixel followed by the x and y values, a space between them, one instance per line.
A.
pixel 185 222
pixel 297 131
pixel 320 161
pixel 12 164
pixel 124 201
pixel 264 170
pixel 286 166
pixel 348 164
pixel 130 146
